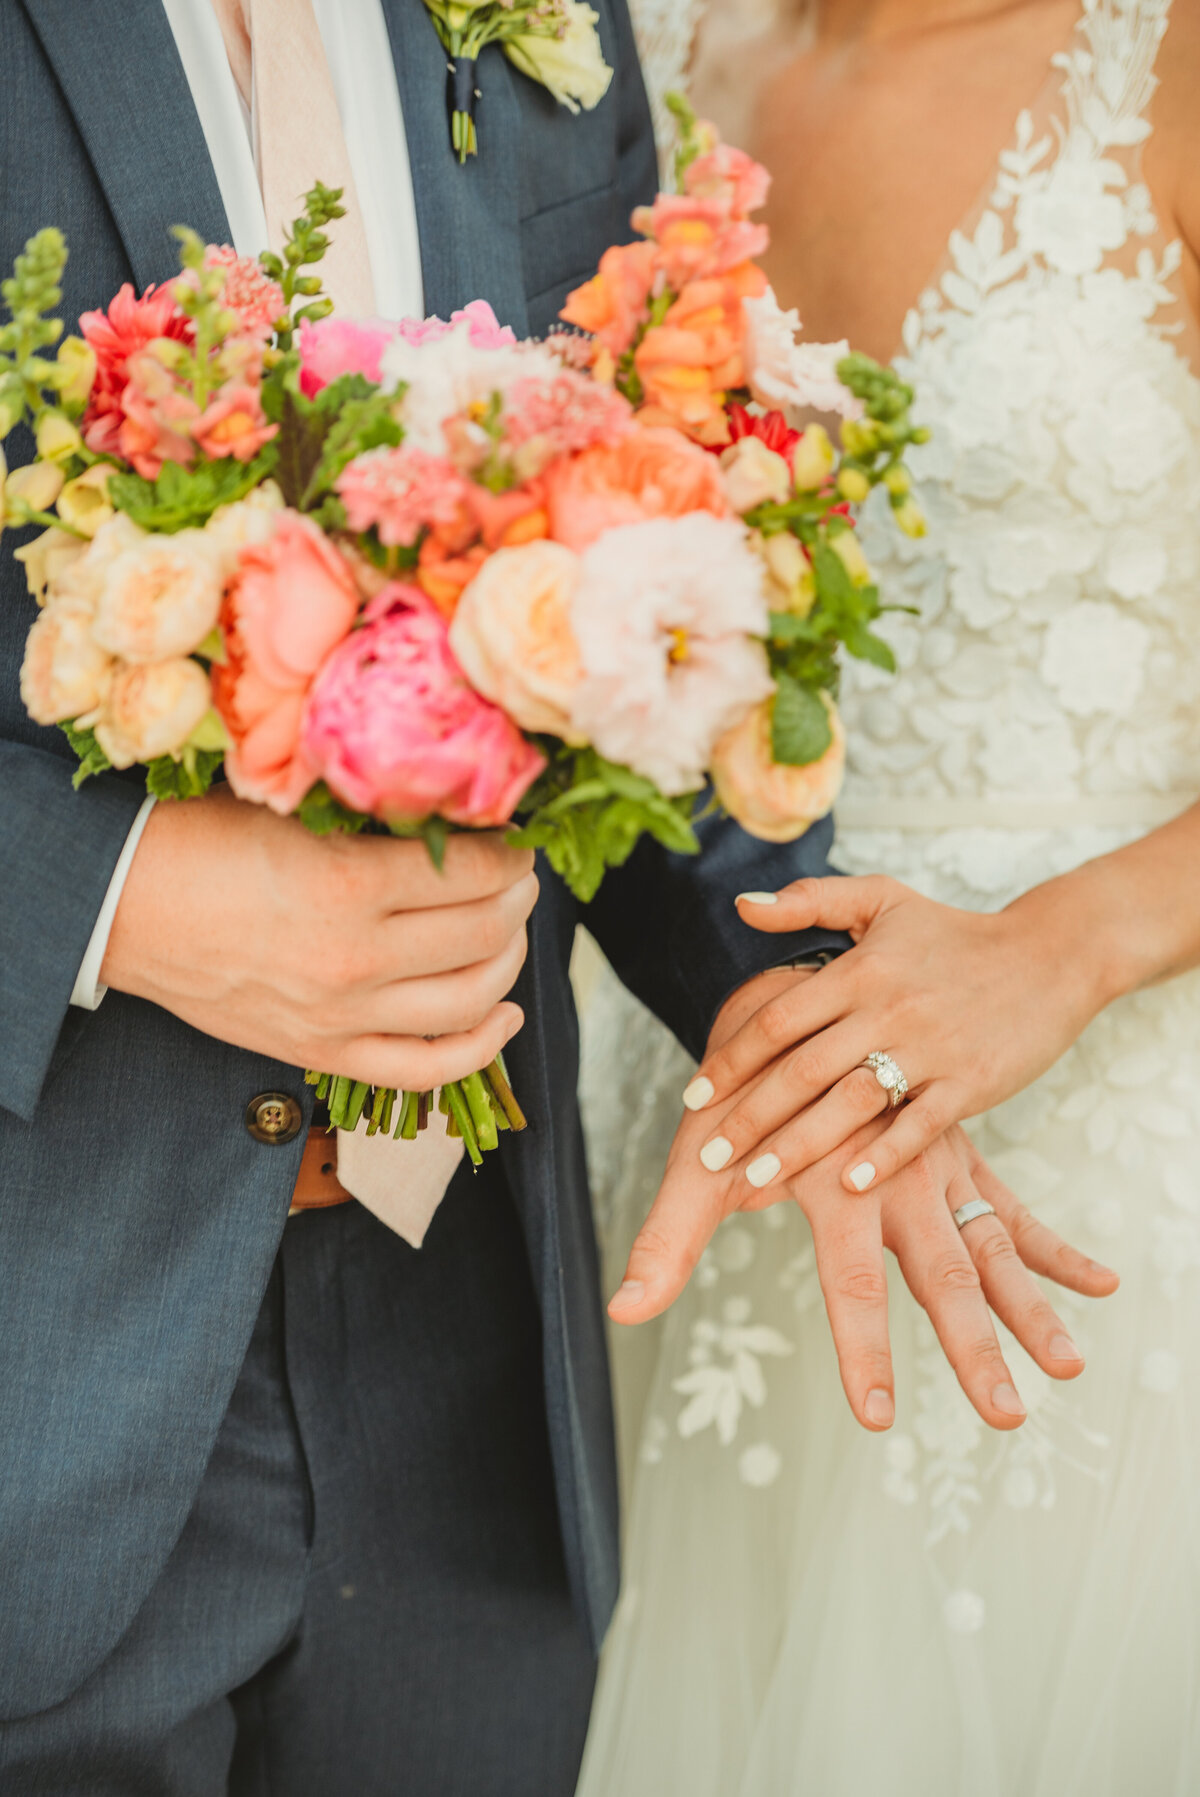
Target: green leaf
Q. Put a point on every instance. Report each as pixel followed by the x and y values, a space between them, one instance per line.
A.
pixel 587 815
pixel 800 727
pixel 321 813
pixel 186 498
pixel 833 583
pixel 188 778
pixel 92 759
pixel 866 646
pixel 434 832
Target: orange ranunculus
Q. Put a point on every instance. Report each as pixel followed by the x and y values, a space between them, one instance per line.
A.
pixel 688 363
pixel 442 575
pixel 615 301
pixel 647 474
pixel 507 519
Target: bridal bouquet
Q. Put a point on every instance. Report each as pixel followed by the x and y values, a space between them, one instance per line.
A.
pixel 422 576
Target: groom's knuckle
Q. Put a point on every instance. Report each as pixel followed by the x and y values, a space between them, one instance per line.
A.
pixel 995 1252
pixel 951 1273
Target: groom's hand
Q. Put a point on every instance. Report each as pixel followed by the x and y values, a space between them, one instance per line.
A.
pixel 955 1274
pixel 341 953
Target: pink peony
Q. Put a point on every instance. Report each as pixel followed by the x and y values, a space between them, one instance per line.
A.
pixel 484 329
pixel 396 730
pixel 336 346
pixel 256 299
pixel 291 602
pixel 400 492
pixel 127 327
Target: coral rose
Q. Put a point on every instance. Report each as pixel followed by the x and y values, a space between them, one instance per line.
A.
pixel 160 598
pixel 512 634
pixel 397 731
pixel 65 673
pixel 616 301
pixel 770 799
pixel 151 711
pixel 291 602
pixel 651 473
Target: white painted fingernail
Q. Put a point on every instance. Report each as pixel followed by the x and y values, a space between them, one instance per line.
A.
pixel 716 1154
pixel 758 898
pixel 697 1095
pixel 762 1171
pixel 631 1292
pixel 862 1176
pixel 879 1409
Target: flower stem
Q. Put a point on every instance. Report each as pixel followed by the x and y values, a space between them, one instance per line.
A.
pixel 482 1115
pixel 461 1113
pixel 497 1078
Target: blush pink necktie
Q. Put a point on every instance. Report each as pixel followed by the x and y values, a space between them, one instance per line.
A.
pixel 279 64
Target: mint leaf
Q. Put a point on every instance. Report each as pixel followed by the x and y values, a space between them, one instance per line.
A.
pixel 800 727
pixel 188 778
pixel 186 498
pixel 587 815
pixel 321 813
pixel 92 759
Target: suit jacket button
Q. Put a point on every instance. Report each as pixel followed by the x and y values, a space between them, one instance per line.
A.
pixel 274 1118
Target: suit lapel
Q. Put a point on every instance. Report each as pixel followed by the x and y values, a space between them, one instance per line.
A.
pixel 467 216
pixel 120 72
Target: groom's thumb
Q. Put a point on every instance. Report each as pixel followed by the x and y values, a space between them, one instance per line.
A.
pixel 837 904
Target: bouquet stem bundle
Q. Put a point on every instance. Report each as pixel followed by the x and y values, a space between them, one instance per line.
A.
pixel 477 1108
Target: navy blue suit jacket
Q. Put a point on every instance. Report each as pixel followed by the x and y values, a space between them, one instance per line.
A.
pixel 138 1219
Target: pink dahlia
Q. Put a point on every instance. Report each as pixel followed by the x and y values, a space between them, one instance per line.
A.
pixel 397 731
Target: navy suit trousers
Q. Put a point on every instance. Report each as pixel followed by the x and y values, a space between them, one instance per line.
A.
pixel 369 1596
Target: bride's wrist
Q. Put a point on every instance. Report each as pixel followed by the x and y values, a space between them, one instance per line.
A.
pixel 1078 926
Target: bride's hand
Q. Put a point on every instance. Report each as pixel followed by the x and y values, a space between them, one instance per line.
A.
pixel 971 1007
pixel 955 1274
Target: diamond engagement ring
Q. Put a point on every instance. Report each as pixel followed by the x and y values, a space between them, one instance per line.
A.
pixel 978 1207
pixel 890 1077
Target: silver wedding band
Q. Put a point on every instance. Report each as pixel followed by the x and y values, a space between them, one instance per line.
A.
pixel 890 1076
pixel 978 1207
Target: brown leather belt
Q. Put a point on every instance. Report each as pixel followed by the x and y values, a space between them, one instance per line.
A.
pixel 317 1184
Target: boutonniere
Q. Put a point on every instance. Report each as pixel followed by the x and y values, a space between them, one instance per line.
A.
pixel 554 42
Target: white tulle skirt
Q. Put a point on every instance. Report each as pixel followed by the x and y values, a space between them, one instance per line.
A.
pixel 811 1611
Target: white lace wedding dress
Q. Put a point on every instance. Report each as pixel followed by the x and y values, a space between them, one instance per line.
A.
pixel 808 1610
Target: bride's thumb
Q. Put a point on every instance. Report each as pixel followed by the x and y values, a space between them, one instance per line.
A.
pixel 838 903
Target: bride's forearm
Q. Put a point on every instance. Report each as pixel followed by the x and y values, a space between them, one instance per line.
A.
pixel 1129 919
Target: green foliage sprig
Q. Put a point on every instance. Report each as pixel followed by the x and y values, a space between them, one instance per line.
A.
pixel 305 245
pixel 587 814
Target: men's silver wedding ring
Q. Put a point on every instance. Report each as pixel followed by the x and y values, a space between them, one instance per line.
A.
pixel 978 1207
pixel 890 1077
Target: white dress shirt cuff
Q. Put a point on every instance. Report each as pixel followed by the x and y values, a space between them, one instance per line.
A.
pixel 88 991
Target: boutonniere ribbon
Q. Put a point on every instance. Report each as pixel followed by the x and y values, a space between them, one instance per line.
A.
pixel 554 42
